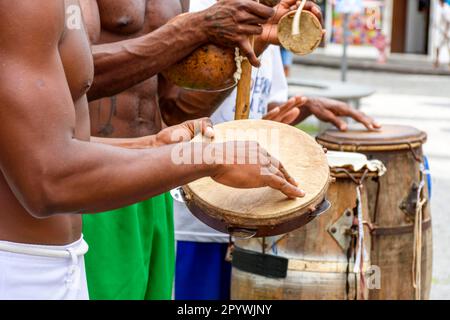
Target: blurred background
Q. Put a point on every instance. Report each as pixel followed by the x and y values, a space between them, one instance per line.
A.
pixel 391 72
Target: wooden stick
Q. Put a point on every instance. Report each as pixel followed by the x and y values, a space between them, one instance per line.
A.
pixel 244 88
pixel 244 91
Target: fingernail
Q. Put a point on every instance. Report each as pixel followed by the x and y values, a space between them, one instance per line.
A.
pixel 302 192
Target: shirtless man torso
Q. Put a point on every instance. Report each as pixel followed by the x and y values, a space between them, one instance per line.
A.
pixel 134 112
pixel 76 60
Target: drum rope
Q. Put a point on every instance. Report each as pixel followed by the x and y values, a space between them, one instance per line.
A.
pixel 350 255
pixel 417 251
pixel 357 242
pixel 418 227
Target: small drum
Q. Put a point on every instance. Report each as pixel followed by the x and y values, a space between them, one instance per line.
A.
pixel 264 211
pixel 317 261
pixel 398 205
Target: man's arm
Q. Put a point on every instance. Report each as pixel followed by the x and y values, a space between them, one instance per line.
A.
pixel 178 104
pixel 123 64
pixel 183 132
pixel 46 167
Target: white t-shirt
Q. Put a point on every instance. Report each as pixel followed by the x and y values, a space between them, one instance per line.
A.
pixel 269 84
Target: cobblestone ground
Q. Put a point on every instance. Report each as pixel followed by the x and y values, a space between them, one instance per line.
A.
pixel 423 102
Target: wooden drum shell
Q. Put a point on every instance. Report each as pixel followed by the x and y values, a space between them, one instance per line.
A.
pixel 392 249
pixel 393 237
pixel 317 263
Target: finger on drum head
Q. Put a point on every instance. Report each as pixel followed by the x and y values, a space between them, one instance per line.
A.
pixel 285 187
pixel 286 174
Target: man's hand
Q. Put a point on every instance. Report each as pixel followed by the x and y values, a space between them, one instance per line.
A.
pixel 270 29
pixel 288 112
pixel 231 22
pixel 329 110
pixel 261 170
pixel 184 132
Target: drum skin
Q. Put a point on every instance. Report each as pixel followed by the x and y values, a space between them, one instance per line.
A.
pixel 392 239
pixel 310 33
pixel 263 211
pixel 325 278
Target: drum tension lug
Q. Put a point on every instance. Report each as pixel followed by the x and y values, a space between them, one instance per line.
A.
pixel 341 229
pixel 409 204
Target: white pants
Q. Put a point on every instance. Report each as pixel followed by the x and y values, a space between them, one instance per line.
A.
pixel 35 272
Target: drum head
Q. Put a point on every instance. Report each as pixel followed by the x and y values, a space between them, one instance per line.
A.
pixel 263 208
pixel 358 138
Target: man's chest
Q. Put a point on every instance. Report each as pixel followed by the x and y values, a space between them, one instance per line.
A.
pixel 126 19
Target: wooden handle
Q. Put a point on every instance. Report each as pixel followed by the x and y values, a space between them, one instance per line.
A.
pixel 244 90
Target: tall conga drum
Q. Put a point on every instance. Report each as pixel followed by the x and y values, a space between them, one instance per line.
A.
pixel 400 219
pixel 326 259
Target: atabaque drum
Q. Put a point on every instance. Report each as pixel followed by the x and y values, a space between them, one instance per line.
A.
pixel 263 211
pixel 400 219
pixel 326 259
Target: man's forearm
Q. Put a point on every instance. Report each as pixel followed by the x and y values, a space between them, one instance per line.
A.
pixel 121 65
pixel 128 143
pixel 103 177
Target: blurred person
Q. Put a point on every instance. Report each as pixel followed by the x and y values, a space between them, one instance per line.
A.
pixel 443 29
pixel 202 270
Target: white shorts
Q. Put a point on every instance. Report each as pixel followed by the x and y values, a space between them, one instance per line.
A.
pixel 35 272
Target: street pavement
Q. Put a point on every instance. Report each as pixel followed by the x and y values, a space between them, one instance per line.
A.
pixel 422 101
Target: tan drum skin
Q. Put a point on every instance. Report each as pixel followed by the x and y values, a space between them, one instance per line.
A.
pixel 263 211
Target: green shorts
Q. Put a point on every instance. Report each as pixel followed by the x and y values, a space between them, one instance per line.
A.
pixel 132 251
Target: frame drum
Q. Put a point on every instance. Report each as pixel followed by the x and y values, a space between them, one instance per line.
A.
pixel 264 211
pixel 398 206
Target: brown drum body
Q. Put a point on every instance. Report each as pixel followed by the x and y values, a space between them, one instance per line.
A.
pixel 399 148
pixel 209 68
pixel 317 263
